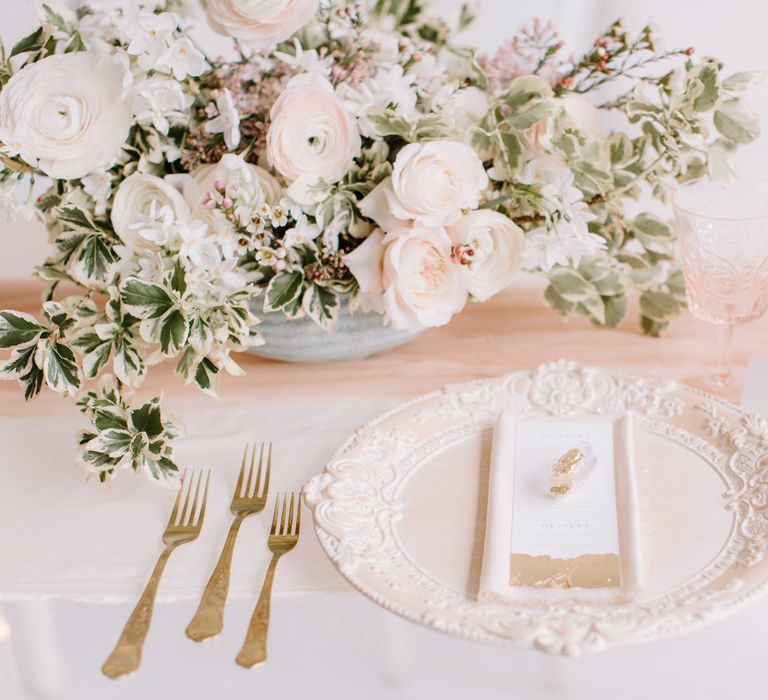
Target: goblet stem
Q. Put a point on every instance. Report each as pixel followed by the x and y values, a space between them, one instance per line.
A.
pixel 724 368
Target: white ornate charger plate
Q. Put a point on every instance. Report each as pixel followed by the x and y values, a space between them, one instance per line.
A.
pixel 400 509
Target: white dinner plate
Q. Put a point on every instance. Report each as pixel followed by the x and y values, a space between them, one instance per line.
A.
pixel 400 509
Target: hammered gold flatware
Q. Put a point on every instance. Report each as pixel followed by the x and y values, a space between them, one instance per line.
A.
pixel 208 621
pixel 282 539
pixel 182 528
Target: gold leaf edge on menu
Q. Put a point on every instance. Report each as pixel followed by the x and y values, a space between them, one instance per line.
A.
pixel 584 571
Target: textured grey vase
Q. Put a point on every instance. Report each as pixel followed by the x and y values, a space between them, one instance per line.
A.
pixel 356 336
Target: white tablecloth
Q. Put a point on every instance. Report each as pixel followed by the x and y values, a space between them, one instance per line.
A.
pixel 63 538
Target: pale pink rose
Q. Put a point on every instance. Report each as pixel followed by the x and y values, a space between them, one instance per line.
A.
pixel 432 183
pixel 260 24
pixel 311 135
pixel 492 246
pixel 413 269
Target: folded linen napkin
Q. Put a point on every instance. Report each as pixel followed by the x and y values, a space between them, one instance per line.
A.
pixel 586 545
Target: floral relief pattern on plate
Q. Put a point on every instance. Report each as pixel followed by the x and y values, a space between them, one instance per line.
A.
pixel 357 506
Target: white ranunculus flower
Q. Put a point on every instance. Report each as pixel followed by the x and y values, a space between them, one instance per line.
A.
pixel 492 246
pixel 68 113
pixel 312 135
pixel 260 24
pixel 143 206
pixel 413 272
pixel 254 185
pixel 431 183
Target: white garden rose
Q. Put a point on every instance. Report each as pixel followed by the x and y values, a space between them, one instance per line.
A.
pixel 413 272
pixel 260 24
pixel 145 205
pixel 66 114
pixel 491 245
pixel 431 183
pixel 312 135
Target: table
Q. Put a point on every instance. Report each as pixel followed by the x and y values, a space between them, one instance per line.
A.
pixel 92 545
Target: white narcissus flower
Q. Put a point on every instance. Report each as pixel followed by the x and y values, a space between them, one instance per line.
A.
pixel 431 183
pixel 260 24
pixel 312 135
pixel 160 101
pixel 302 233
pixel 149 33
pixel 182 58
pixel 227 122
pixel 420 284
pixel 143 203
pixel 492 246
pixel 67 112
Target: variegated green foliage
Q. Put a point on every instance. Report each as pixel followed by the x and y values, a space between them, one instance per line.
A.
pixel 123 437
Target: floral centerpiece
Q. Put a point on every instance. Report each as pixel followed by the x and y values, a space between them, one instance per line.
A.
pixel 343 155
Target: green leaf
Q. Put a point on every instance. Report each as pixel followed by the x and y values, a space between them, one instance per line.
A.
pixel 652 226
pixel 179 277
pixel 76 218
pixel 61 371
pixel 513 151
pixel 147 299
pixel 95 258
pixel 31 42
pixel 570 285
pixel 386 123
pixel 529 98
pixel 148 419
pixel 55 19
pixel 322 306
pixel 615 309
pixel 18 328
pixel 658 306
pixel 173 332
pixel 96 352
pixel 128 364
pixel 620 148
pixel 707 75
pixel 204 375
pixel 75 44
pixel 737 122
pixel 743 81
pixel 283 289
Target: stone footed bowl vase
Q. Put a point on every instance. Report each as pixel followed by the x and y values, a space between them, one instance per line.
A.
pixel 356 336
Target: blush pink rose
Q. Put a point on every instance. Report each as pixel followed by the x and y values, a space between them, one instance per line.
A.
pixel 413 270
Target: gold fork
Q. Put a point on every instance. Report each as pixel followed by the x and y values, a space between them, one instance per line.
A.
pixel 282 539
pixel 126 656
pixel 208 621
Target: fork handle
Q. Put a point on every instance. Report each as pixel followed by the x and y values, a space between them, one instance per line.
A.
pixel 126 656
pixel 254 649
pixel 208 621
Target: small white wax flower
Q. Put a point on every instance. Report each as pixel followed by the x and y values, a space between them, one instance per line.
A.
pixel 302 233
pixel 149 33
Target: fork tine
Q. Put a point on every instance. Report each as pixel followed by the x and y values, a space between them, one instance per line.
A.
pixel 175 510
pixel 257 485
pixel 273 529
pixel 290 517
pixel 201 515
pixel 188 483
pixel 282 518
pixel 193 509
pixel 247 492
pixel 298 515
pixel 265 488
pixel 239 487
